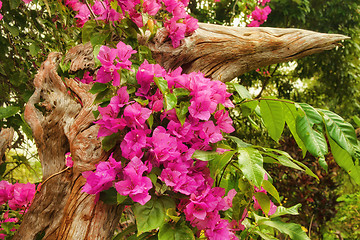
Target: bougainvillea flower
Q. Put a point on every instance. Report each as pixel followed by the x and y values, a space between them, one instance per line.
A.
pixel 135 115
pixel 133 143
pixel 151 7
pixel 68 160
pixel 5 192
pixel 176 31
pixel 224 121
pixel 22 195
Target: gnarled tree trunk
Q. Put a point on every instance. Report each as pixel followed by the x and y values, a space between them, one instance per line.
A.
pixel 60 115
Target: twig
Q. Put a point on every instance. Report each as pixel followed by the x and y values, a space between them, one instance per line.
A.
pixel 311 221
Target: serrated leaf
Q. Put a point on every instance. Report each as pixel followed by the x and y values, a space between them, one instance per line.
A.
pixel 271 189
pixel 264 201
pixel 273 115
pixel 294 231
pixel 280 211
pixel 171 231
pixel 251 164
pixel 313 140
pixel 345 161
pixel 150 215
pixel 6 112
pixel 205 155
pixel 343 133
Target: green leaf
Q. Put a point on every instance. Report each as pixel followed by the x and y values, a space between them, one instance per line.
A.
pixel 314 141
pixel 170 101
pixel 313 116
pixel 130 229
pixel 6 112
pixel 109 196
pixel 322 163
pixel 220 162
pixel 88 30
pixel 181 92
pixel 271 189
pixel 251 164
pixel 343 133
pixel 120 198
pixel 290 114
pixel 264 201
pixel 345 161
pixel 307 170
pixel 34 49
pixel 248 107
pixel 242 91
pixel 239 204
pixel 205 155
pixel 181 111
pixel 150 215
pixel 172 214
pixel 98 38
pixel 280 211
pixel 14 4
pixel 273 115
pixel 240 143
pixel 162 84
pixel 171 231
pixel 265 236
pixel 110 141
pixel 98 87
pixel 294 231
pixel 355 118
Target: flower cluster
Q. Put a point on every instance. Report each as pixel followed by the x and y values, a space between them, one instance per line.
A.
pixel 178 26
pixel 7 219
pixel 259 15
pixel 17 195
pixel 167 144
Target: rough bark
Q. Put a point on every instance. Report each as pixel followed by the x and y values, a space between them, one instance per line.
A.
pixel 6 137
pixel 223 53
pixel 60 115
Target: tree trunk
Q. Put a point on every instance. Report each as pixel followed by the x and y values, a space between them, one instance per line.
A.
pixel 60 115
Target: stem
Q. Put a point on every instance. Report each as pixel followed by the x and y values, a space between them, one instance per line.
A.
pixel 55 174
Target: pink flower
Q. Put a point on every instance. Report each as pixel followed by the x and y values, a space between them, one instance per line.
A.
pixel 27 1
pixel 224 121
pixel 135 115
pixel 103 177
pixel 263 2
pixel 151 7
pixel 145 76
pixel 176 31
pixel 83 15
pixel 135 185
pixel 5 193
pixel 201 107
pixel 22 195
pixel 133 143
pixel 68 160
pixel 259 16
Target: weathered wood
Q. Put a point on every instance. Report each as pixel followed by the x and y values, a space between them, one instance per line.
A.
pixel 6 138
pixel 223 53
pixel 63 122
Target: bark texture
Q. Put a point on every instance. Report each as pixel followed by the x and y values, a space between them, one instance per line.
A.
pixel 223 53
pixel 60 115
pixel 6 138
